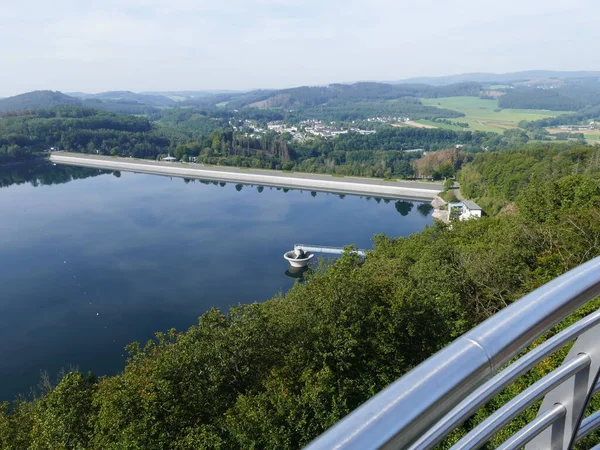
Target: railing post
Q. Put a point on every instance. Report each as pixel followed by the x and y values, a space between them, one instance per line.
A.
pixel 573 394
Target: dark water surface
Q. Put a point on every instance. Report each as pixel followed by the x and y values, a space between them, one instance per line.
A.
pixel 90 264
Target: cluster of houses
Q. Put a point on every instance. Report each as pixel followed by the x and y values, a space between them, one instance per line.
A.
pixel 312 127
pixel 590 126
pixel 308 128
pixel 388 119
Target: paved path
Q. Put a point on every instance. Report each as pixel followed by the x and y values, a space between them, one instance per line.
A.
pixel 317 182
pixel 457 192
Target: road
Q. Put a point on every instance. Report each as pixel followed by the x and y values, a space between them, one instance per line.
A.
pixel 316 182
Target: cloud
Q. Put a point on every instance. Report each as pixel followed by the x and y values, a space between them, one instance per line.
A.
pixel 236 44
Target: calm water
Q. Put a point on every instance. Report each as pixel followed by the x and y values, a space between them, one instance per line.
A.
pixel 90 264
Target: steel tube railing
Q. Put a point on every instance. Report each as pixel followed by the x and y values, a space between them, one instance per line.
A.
pixel 533 428
pixel 402 412
pixel 502 380
pixel 588 426
pixel 484 431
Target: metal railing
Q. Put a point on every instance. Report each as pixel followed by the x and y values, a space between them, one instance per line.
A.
pixel 424 406
pixel 324 249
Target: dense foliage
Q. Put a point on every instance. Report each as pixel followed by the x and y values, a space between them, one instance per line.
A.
pixel 439 165
pixel 275 375
pixel 585 115
pixel 498 178
pixel 378 154
pixel 573 95
pixel 540 99
pixel 360 111
pixel 78 129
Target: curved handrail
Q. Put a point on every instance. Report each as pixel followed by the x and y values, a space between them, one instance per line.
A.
pixel 485 430
pixel 502 380
pixel 405 410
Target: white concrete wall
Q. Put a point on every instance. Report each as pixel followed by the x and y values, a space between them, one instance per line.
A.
pixel 333 185
pixel 468 214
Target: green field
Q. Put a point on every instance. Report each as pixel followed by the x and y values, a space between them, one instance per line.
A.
pixel 484 115
pixel 593 138
pixel 443 125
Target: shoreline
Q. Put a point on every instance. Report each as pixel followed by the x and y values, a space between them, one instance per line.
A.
pixel 22 162
pixel 409 190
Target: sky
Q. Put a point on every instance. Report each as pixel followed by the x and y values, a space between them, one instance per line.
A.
pixel 161 45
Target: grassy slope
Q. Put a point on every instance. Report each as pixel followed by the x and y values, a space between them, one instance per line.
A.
pixel 481 115
pixel 445 126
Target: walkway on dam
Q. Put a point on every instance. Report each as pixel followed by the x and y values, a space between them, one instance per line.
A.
pixel 308 181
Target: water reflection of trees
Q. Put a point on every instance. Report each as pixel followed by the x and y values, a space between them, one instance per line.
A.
pixel 425 209
pixel 44 174
pixel 404 207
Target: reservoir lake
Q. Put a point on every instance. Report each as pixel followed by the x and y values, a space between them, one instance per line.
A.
pixel 92 260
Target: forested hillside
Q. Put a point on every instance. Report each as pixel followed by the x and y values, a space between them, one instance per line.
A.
pixel 338 94
pixel 584 115
pixel 124 104
pixel 573 95
pixel 274 375
pixel 77 129
pixel 36 100
pixel 540 99
pixel 497 179
pixel 405 107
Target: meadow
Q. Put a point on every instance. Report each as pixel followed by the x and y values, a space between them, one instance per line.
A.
pixel 485 115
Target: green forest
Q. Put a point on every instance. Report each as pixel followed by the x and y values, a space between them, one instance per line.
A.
pixel 276 374
pixel 208 137
pixel 572 95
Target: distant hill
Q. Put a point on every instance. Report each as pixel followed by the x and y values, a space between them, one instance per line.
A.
pixel 128 97
pixel 152 98
pixel 36 100
pixel 114 102
pixel 485 77
pixel 191 94
pixel 344 94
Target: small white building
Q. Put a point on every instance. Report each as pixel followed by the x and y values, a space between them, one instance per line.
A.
pixel 468 208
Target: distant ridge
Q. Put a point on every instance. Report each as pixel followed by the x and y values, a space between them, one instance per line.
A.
pixel 123 102
pixel 487 77
pixel 128 97
pixel 36 100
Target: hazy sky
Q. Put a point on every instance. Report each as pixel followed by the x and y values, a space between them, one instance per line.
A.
pixel 99 45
